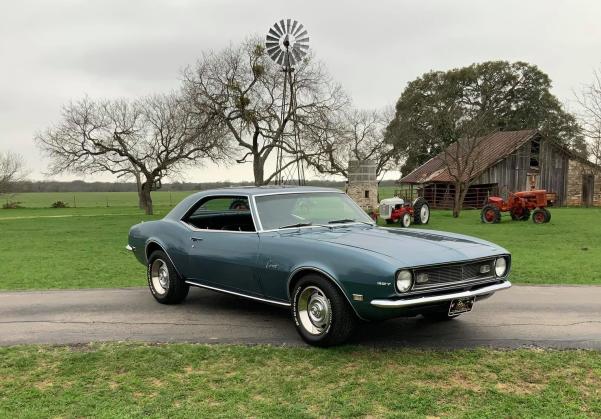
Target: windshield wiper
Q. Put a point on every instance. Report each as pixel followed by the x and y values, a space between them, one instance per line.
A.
pixel 348 220
pixel 296 225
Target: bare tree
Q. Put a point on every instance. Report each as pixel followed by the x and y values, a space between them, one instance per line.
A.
pixel 462 159
pixel 590 102
pixel 148 139
pixel 353 135
pixel 11 170
pixel 243 88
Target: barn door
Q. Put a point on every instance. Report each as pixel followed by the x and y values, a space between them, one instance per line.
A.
pixel 588 183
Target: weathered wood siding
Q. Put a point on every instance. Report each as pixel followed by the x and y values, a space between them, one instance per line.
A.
pixel 511 173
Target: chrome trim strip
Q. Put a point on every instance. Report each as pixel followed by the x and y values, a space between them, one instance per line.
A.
pixel 208 230
pixel 264 300
pixel 411 302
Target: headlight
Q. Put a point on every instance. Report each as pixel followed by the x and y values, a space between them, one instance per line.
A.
pixel 404 280
pixel 500 266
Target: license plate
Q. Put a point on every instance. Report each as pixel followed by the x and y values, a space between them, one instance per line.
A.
pixel 461 305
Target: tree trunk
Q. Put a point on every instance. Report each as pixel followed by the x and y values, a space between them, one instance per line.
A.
pixel 145 198
pixel 460 192
pixel 139 188
pixel 258 170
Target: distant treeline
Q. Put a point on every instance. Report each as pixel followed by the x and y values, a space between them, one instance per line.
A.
pixel 81 186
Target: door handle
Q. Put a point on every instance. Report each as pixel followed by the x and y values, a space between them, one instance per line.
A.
pixel 196 239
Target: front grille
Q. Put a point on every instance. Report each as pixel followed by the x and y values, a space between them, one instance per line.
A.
pixel 385 210
pixel 446 275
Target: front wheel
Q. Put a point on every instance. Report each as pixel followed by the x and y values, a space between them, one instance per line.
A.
pixel 490 214
pixel 165 284
pixel 406 220
pixel 321 313
pixel 421 211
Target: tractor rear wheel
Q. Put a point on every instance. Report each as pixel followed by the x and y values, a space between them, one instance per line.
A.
pixel 520 214
pixel 539 216
pixel 490 214
pixel 421 211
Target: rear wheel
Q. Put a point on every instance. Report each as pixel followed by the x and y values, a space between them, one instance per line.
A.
pixel 321 313
pixel 421 211
pixel 490 214
pixel 165 284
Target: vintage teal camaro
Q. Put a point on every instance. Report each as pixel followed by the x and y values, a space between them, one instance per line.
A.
pixel 314 250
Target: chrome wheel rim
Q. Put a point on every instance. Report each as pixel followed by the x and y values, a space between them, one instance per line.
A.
pixel 159 275
pixel 424 213
pixel 314 310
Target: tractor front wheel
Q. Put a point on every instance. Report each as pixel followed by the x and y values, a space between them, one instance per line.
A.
pixel 490 214
pixel 540 215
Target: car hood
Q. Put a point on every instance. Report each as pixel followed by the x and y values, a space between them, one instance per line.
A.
pixel 410 247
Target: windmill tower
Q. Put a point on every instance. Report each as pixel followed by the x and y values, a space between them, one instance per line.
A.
pixel 287 42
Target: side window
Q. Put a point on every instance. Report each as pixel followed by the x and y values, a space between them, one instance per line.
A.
pixel 228 213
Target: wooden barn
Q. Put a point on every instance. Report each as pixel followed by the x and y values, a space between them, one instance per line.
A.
pixel 513 161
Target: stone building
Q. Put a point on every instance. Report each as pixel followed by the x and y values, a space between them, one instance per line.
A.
pixel 513 161
pixel 362 184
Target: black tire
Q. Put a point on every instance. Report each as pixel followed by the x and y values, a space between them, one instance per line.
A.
pixel 175 290
pixel 523 216
pixel 547 214
pixel 417 210
pixel 439 314
pixel 389 221
pixel 339 319
pixel 540 216
pixel 486 217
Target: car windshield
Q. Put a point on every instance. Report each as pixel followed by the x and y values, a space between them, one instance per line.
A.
pixel 303 209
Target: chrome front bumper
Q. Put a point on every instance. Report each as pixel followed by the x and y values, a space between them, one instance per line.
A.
pixel 433 299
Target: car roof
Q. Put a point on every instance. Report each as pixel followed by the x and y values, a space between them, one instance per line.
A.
pixel 268 189
pixel 180 209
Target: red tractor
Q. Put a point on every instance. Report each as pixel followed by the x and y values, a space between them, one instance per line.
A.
pixel 519 205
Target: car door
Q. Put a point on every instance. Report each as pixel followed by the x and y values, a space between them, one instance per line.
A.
pixel 223 246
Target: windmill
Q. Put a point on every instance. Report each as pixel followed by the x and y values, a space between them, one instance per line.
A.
pixel 287 42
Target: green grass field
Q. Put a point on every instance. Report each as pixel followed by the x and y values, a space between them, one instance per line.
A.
pixel 43 248
pixel 183 380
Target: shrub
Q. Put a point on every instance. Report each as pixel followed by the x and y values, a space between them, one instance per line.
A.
pixel 11 205
pixel 60 204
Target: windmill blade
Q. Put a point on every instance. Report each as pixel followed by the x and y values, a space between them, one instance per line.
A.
pixel 281 56
pixel 298 29
pixel 276 29
pixel 296 54
pixel 300 35
pixel 293 29
pixel 273 50
pixel 288 25
pixel 283 26
pixel 303 41
pixel 273 32
pixel 303 46
pixel 275 39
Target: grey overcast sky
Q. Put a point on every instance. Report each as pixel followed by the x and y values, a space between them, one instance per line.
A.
pixel 55 51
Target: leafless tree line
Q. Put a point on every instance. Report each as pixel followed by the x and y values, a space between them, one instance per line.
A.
pixel 229 108
pixel 589 100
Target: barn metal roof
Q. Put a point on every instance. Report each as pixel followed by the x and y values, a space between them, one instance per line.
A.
pixel 495 147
